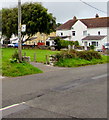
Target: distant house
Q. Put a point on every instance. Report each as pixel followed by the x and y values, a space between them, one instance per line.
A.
pixel 37 39
pixel 50 39
pixel 91 31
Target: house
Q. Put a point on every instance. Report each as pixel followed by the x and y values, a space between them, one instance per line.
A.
pixel 37 39
pixel 97 41
pixel 90 31
pixel 50 39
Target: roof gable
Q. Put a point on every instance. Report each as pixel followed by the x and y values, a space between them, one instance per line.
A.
pixel 67 25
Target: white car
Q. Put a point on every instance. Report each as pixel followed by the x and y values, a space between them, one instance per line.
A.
pixel 106 45
pixel 10 45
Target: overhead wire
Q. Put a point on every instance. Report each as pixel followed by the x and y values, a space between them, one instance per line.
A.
pixel 93 7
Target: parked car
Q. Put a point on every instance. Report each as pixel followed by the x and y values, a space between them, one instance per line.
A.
pixel 16 44
pixel 10 45
pixel 106 45
pixel 99 50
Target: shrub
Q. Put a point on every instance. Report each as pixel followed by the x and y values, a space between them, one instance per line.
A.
pixel 65 54
pixel 88 55
pixel 57 43
pixel 15 56
pixel 76 43
pixel 92 47
pixel 84 55
pixel 64 43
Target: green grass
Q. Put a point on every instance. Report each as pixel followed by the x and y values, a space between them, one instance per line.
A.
pixel 75 62
pixel 40 54
pixel 20 69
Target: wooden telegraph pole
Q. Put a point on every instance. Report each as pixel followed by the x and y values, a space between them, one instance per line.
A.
pixel 19 31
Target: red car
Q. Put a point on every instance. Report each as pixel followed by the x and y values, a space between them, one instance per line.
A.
pixel 42 43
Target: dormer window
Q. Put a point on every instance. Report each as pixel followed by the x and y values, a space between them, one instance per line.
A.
pixel 98 32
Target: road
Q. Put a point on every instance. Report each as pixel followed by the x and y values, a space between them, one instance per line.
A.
pixel 64 93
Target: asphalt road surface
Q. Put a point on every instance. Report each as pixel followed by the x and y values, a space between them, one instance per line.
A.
pixel 64 93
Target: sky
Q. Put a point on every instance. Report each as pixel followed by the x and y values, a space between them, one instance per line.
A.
pixel 64 10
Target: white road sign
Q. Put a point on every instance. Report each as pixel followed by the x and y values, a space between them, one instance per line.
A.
pixel 23 28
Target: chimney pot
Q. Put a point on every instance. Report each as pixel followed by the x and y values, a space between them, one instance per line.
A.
pixel 74 18
pixel 97 16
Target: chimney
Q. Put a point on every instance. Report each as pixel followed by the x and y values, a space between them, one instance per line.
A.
pixel 74 18
pixel 97 16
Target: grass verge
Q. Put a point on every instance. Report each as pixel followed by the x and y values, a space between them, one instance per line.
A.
pixel 18 69
pixel 75 62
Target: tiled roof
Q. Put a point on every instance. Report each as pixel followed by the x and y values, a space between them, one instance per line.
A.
pixel 96 22
pixel 67 25
pixel 32 38
pixel 90 23
pixel 94 38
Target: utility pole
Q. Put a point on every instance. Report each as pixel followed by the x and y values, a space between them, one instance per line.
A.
pixel 19 31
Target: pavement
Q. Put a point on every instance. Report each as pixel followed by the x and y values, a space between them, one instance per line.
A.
pixel 60 93
pixel 46 68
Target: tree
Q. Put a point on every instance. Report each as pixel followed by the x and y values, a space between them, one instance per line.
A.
pixel 92 47
pixel 34 15
pixel 57 43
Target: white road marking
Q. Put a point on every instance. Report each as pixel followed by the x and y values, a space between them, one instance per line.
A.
pixel 11 106
pixel 100 76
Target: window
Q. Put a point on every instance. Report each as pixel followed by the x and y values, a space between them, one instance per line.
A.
pixel 61 33
pixel 95 43
pixel 73 33
pixel 89 44
pixel 85 32
pixel 88 34
pixel 98 32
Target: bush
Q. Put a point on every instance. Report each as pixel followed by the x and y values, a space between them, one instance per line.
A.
pixel 76 43
pixel 92 47
pixel 15 56
pixel 64 43
pixel 66 54
pixel 57 43
pixel 88 55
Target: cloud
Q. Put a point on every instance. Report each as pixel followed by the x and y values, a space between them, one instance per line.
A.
pixel 64 11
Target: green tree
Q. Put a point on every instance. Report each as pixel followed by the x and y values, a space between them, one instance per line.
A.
pixel 57 43
pixel 76 43
pixel 34 15
pixel 92 47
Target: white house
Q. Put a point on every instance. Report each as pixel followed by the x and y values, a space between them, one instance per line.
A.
pixel 91 31
pixel 14 39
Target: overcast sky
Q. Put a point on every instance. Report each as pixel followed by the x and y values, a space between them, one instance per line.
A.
pixel 64 10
